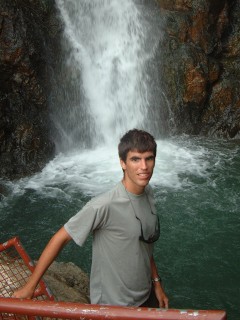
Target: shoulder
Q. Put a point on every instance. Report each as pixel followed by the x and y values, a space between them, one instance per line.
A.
pixel 105 199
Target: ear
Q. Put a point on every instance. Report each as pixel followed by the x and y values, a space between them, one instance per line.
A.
pixel 123 164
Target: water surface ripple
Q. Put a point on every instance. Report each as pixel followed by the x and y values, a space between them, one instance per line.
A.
pixel 196 184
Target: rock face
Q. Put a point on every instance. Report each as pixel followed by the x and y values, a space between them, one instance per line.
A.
pixel 200 66
pixel 67 282
pixel 26 33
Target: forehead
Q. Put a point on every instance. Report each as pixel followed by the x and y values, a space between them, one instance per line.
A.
pixel 136 153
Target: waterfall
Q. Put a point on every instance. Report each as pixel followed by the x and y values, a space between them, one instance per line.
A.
pixel 106 83
pixel 104 91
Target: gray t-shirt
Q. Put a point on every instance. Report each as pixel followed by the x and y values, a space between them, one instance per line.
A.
pixel 121 272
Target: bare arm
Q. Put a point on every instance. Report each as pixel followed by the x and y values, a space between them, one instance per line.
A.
pixel 54 246
pixel 159 292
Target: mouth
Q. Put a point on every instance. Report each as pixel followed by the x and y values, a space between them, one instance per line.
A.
pixel 144 176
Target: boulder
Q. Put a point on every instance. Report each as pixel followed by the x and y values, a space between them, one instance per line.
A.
pixel 67 282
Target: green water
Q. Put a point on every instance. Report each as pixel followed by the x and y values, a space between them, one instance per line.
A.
pixel 198 254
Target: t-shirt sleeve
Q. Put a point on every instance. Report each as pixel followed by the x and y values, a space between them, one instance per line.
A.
pixel 89 218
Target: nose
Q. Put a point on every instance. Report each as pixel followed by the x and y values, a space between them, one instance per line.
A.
pixel 143 164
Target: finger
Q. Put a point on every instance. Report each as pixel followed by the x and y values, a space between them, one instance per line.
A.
pixel 161 304
pixel 166 303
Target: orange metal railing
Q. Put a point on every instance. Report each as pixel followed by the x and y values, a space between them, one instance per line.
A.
pixel 15 268
pixel 65 310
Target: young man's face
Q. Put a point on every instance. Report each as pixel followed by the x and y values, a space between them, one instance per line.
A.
pixel 138 170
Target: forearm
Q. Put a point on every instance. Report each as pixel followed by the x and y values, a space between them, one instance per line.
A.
pixel 48 255
pixel 154 271
pixel 159 291
pixel 57 242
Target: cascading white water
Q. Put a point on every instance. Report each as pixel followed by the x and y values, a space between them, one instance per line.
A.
pixel 105 43
pixel 102 91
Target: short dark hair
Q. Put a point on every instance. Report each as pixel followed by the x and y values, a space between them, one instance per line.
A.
pixel 138 140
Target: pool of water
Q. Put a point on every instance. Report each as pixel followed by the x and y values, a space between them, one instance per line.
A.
pixel 196 184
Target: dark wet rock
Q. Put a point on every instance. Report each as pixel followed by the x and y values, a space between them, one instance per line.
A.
pixel 200 66
pixel 27 34
pixel 4 192
pixel 67 282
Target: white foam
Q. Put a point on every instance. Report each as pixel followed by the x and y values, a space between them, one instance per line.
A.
pixel 95 171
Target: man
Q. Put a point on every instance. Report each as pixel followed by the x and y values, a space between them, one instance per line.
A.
pixel 124 224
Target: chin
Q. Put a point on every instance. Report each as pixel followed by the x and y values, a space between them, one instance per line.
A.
pixel 143 183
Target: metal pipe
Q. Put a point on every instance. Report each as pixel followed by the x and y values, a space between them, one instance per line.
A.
pixel 17 255
pixel 99 312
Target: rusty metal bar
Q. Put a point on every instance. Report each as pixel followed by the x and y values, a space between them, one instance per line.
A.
pixel 69 310
pixel 19 272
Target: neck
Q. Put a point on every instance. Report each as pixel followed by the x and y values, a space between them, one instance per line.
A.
pixel 133 189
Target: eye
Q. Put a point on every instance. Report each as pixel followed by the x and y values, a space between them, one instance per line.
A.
pixel 151 158
pixel 135 159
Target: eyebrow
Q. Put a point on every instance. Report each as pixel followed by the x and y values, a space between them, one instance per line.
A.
pixel 147 158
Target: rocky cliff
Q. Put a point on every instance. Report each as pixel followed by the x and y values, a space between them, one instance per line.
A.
pixel 27 36
pixel 200 66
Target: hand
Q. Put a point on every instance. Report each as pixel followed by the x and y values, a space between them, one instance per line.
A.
pixel 161 295
pixel 25 292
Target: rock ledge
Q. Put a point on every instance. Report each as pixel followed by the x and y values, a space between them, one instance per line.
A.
pixel 67 282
